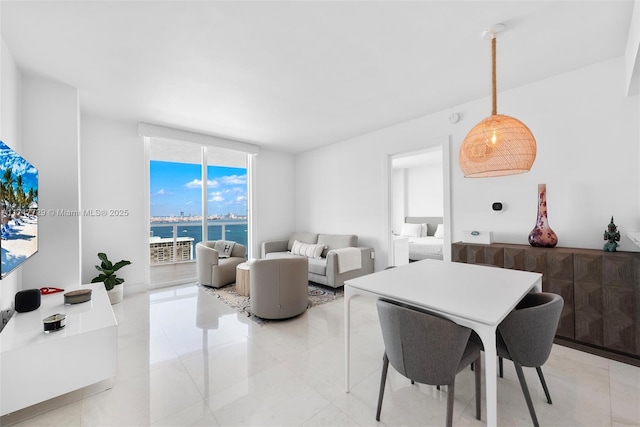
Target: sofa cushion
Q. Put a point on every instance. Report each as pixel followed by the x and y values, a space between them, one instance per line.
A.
pixel 273 255
pixel 302 237
pixel 308 250
pixel 318 266
pixel 337 241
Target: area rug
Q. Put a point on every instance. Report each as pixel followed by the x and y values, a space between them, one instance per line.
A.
pixel 228 295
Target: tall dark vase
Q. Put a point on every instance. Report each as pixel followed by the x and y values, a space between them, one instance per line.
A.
pixel 542 235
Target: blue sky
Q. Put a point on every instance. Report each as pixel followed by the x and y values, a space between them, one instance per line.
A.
pixel 177 187
pixel 19 166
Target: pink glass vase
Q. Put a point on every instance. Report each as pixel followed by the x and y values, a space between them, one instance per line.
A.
pixel 542 235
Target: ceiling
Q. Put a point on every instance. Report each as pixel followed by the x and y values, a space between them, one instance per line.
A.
pixel 295 75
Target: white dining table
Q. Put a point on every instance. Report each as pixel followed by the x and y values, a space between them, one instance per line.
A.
pixel 478 297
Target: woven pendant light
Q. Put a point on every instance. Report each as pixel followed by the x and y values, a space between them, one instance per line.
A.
pixel 498 145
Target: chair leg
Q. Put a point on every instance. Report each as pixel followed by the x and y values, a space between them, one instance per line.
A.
pixel 527 396
pixel 450 399
pixel 383 380
pixel 544 384
pixel 478 371
pixel 500 367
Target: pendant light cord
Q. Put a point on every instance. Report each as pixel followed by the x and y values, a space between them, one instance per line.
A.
pixel 494 96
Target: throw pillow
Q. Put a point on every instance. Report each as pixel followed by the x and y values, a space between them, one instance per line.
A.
pixel 411 230
pixel 439 234
pixel 224 248
pixel 306 249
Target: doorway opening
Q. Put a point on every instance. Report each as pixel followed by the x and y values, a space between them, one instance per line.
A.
pixel 419 204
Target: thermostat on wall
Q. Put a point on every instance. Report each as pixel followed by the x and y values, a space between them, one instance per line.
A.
pixel 475 236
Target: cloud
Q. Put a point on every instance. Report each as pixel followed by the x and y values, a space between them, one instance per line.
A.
pixel 216 197
pixel 161 192
pixel 216 183
pixel 197 183
pixel 234 179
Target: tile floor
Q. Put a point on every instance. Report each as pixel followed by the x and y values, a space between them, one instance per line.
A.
pixel 187 359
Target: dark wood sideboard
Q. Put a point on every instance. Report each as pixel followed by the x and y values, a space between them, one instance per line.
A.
pixel 601 292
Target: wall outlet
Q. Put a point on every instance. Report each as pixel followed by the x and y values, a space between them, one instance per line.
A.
pixel 373 255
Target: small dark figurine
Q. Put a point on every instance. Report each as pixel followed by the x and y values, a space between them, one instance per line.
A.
pixel 611 235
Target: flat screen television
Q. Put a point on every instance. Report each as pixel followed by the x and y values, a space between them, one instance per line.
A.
pixel 19 209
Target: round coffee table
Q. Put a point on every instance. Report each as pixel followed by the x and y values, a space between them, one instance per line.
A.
pixel 242 279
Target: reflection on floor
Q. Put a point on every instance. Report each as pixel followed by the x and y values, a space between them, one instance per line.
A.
pixel 187 359
pixel 163 275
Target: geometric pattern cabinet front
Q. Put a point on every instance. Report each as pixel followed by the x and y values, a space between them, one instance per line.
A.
pixel 485 254
pixel 559 279
pixel 525 259
pixel 459 252
pixel 601 290
pixel 557 276
pixel 588 298
pixel 477 254
pixel 620 296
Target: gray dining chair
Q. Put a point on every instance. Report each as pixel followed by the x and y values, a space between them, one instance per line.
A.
pixel 526 335
pixel 426 349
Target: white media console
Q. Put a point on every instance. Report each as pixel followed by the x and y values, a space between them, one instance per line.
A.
pixel 37 366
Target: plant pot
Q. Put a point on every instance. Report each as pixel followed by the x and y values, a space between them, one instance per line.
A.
pixel 115 294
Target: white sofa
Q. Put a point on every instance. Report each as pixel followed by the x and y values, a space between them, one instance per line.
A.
pixel 327 269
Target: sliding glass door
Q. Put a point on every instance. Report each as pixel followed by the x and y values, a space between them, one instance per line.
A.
pixel 227 212
pixel 183 214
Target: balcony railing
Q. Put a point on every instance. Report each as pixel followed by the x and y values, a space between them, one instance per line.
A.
pixel 175 242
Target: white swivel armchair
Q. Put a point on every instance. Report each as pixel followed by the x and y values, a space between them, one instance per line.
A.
pixel 214 270
pixel 279 287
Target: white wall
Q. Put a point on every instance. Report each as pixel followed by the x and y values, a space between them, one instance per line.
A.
pixel 50 138
pixel 113 176
pixel 587 132
pixel 10 135
pixel 632 52
pixel 416 191
pixel 398 199
pixel 425 191
pixel 10 99
pixel 588 152
pixel 343 188
pixel 274 209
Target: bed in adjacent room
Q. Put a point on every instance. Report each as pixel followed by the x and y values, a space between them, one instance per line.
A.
pixel 426 237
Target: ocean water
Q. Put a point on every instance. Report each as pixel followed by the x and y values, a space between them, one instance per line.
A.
pixel 236 232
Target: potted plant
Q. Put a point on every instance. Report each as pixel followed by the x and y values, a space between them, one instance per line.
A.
pixel 107 276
